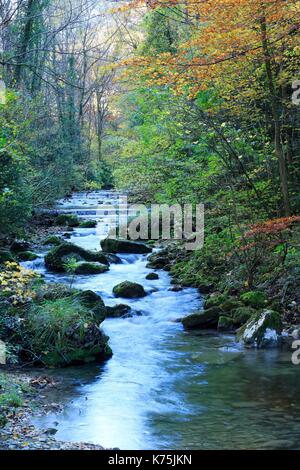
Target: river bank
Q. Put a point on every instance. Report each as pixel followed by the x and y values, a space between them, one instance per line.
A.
pixel 22 397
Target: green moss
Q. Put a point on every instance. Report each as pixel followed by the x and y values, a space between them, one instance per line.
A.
pixel 57 258
pixel 207 319
pixel 88 224
pixel 130 290
pixel 27 256
pixel 69 220
pixel 225 323
pixel 214 301
pixel 53 240
pixel 242 315
pixel 255 299
pixel 85 267
pixel 118 311
pixel 230 304
pixel 152 277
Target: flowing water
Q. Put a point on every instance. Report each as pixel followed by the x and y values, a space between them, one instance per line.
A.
pixel 165 388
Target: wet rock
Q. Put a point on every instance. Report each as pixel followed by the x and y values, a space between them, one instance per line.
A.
pixel 158 261
pixel 53 240
pixel 230 305
pixel 112 258
pixel 85 267
pixel 118 311
pixel 70 220
pixel 225 324
pixel 88 224
pixel 242 315
pixel 110 245
pixel 56 259
pixel 262 331
pixel 130 290
pixel 176 289
pixel 94 302
pixel 152 277
pixel 27 256
pixel 207 319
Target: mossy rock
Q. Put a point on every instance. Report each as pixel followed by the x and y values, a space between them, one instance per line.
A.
pixel 129 290
pixel 19 246
pixel 225 323
pixel 94 302
pixel 230 304
pixel 54 291
pixel 85 267
pixel 110 245
pixel 118 311
pixel 6 256
pixel 65 331
pixel 255 299
pixel 53 240
pixel 27 256
pixel 88 224
pixel 262 331
pixel 152 277
pixel 70 220
pixel 242 315
pixel 215 300
pixel 158 261
pixel 201 320
pixel 56 259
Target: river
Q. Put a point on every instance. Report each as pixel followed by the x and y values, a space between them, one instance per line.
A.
pixel 166 388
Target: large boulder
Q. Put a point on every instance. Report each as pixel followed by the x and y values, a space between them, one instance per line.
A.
pixel 94 302
pixel 201 320
pixel 111 245
pixel 129 290
pixel 57 258
pixel 86 267
pixel 262 331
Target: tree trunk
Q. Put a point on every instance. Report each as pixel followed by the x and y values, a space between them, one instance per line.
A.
pixel 276 119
